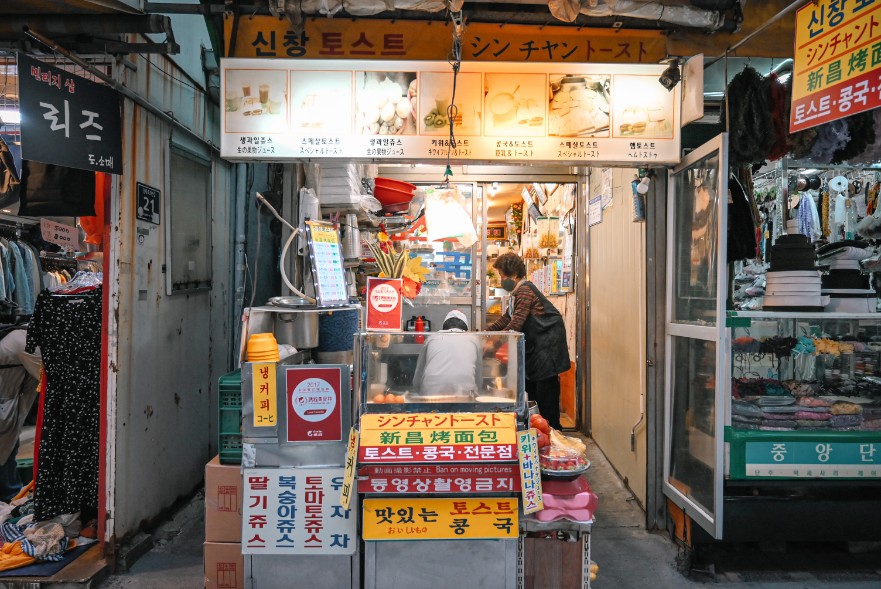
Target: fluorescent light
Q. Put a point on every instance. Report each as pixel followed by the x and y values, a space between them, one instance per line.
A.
pixel 10 117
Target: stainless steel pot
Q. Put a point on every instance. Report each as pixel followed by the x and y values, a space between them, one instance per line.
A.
pixel 299 329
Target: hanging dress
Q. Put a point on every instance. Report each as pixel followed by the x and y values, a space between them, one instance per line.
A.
pixel 67 329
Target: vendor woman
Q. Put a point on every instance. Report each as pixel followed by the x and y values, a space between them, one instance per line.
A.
pixel 547 354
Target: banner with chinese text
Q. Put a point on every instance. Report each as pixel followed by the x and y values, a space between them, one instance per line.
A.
pixel 837 59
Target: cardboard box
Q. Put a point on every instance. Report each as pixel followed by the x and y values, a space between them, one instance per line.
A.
pixel 224 565
pixel 223 502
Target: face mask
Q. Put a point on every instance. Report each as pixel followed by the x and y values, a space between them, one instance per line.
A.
pixel 508 284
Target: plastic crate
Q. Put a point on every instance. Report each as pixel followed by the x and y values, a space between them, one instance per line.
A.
pixel 229 422
pixel 230 448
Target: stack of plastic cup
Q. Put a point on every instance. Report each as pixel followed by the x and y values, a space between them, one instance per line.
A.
pixel 262 347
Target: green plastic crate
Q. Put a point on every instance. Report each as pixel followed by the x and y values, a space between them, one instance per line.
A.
pixel 229 422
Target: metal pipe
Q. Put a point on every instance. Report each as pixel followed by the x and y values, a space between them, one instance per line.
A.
pixel 136 98
pixel 765 25
pixel 12 26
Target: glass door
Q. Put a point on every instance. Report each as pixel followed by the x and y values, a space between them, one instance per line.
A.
pixel 696 234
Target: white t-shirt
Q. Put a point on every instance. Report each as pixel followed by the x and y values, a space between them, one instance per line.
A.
pixel 449 364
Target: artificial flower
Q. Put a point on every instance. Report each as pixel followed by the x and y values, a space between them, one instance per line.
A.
pixel 414 270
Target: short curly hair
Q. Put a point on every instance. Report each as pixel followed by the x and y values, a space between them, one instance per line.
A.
pixel 510 264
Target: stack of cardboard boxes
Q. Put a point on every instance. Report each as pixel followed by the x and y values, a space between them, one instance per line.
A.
pixel 224 564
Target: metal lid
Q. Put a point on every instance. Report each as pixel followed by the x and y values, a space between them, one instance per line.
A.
pixel 291 302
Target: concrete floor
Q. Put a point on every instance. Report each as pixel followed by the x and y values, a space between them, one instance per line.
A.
pixel 628 556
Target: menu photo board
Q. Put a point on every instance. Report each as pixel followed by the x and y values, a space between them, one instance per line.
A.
pixel 295 110
pixel 328 273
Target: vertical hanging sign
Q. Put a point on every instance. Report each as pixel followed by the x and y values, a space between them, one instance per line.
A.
pixel 67 120
pixel 530 471
pixel 263 390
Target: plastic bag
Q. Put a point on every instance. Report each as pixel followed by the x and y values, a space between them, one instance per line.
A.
pixel 446 216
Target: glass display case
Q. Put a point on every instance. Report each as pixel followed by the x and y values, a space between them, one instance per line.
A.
pixel 415 372
pixel 805 393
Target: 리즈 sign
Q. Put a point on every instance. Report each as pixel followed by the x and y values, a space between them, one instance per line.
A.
pixel 68 120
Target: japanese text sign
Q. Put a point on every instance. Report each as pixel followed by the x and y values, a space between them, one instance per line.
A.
pixel 349 476
pixel 384 304
pixel 439 478
pixel 295 110
pixel 68 120
pixel 314 400
pixel 837 59
pixel 815 459
pixel 530 471
pixel 329 38
pixel 264 396
pixel 440 519
pixel 438 437
pixel 295 511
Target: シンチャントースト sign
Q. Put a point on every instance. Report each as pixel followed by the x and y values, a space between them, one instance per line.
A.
pixel 68 120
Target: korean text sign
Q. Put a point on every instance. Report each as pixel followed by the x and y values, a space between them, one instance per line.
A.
pixel 68 120
pixel 837 59
pixel 438 437
pixel 314 399
pixel 440 519
pixel 384 304
pixel 815 459
pixel 296 511
pixel 264 397
pixel 530 471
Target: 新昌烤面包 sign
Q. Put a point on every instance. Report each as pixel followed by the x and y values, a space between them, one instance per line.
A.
pixel 837 57
pixel 68 120
pixel 294 110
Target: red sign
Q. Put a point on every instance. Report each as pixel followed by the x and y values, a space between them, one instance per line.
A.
pixel 313 400
pixel 833 102
pixel 384 304
pixel 445 453
pixel 439 478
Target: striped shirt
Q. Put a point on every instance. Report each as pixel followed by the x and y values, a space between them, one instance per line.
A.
pixel 526 303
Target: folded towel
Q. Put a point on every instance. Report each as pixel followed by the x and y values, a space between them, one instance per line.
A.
pixel 745 409
pixel 813 402
pixel 777 416
pixel 744 419
pixel 845 408
pixel 811 424
pixel 781 423
pixel 845 420
pixel 812 415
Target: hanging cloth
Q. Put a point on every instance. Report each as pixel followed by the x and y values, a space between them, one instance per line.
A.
pixel 741 229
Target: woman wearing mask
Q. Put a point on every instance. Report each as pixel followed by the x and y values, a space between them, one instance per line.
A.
pixel 531 313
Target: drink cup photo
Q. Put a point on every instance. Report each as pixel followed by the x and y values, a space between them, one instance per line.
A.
pixel 246 90
pixel 264 93
pixel 233 102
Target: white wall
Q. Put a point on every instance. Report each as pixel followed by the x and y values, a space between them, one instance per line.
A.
pixel 169 350
pixel 618 331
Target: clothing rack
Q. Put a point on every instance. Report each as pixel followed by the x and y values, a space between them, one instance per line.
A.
pixel 55 262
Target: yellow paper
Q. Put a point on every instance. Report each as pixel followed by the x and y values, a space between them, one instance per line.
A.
pixel 530 471
pixel 440 519
pixel 349 474
pixel 263 391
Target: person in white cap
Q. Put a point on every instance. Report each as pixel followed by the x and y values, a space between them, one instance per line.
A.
pixel 451 360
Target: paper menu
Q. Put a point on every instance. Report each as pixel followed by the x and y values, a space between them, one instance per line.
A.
pixel 326 256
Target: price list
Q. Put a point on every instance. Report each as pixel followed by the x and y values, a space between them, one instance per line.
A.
pixel 327 264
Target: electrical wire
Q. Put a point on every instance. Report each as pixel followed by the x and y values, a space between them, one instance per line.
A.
pixel 284 250
pixel 456 63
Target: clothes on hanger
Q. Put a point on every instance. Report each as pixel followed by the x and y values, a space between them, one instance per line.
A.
pixel 67 330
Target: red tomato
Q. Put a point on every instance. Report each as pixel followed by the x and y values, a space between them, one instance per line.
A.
pixel 543 440
pixel 540 423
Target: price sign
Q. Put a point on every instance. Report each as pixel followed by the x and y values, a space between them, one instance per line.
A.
pixel 59 234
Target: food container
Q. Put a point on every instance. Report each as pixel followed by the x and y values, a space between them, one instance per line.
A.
pixel 562 462
pixel 297 329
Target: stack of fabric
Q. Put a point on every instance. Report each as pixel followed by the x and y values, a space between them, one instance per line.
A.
pixel 848 288
pixel 793 281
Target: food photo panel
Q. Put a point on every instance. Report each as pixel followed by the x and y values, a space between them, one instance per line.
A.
pixel 579 105
pixel 515 105
pixel 385 103
pixel 321 102
pixel 642 108
pixel 256 101
pixel 435 96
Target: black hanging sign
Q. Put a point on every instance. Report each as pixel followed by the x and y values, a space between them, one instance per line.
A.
pixel 148 203
pixel 68 120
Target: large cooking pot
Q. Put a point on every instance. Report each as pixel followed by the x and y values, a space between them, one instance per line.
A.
pixel 299 329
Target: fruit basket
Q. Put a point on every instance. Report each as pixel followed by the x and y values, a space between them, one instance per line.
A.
pixel 562 463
